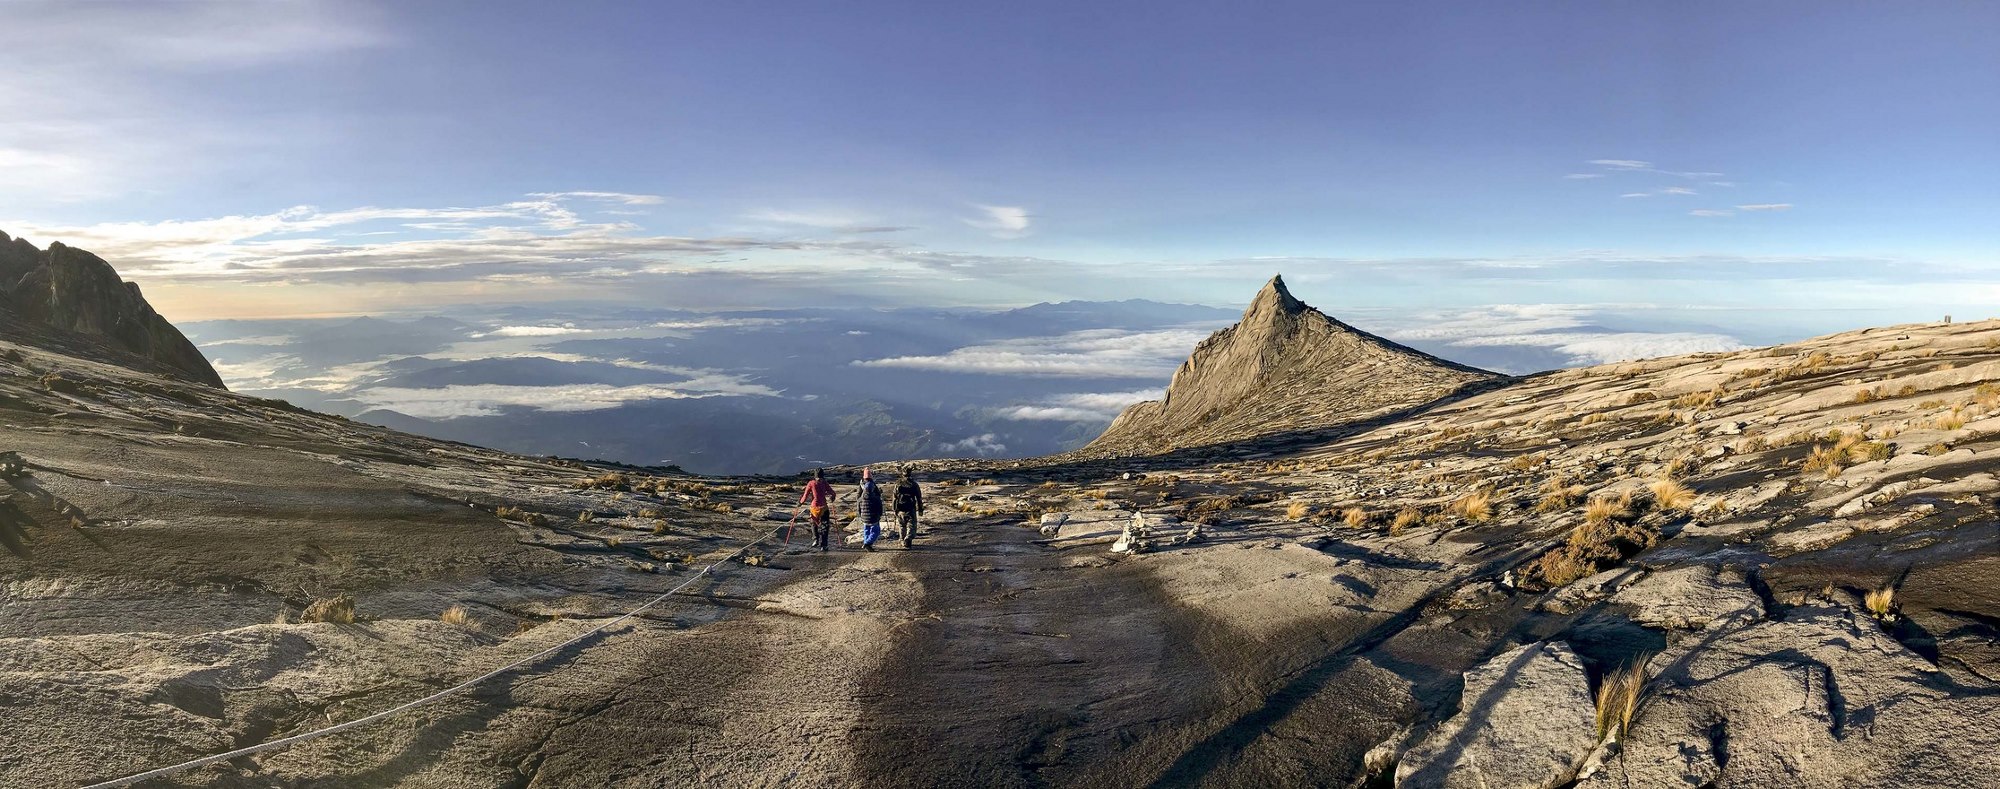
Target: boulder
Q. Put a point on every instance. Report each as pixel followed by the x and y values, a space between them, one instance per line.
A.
pixel 1690 598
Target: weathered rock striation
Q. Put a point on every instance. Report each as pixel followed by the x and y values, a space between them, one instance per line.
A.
pixel 1285 367
pixel 69 290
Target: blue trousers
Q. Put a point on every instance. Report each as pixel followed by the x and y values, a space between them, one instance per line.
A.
pixel 870 532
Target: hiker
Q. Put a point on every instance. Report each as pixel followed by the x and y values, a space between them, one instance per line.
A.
pixel 819 497
pixel 870 505
pixel 909 504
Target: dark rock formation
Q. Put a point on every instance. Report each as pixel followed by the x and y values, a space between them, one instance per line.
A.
pixel 71 290
pixel 1284 367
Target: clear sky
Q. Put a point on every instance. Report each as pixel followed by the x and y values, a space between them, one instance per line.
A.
pixel 1831 161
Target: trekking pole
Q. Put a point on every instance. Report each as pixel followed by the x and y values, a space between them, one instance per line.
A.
pixel 790 523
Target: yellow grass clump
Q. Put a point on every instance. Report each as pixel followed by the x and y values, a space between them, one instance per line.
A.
pixel 1604 508
pixel 1356 517
pixel 1618 696
pixel 1559 495
pixel 338 609
pixel 1880 601
pixel 1698 400
pixel 455 615
pixel 1297 511
pixel 1474 506
pixel 1670 494
pixel 1405 518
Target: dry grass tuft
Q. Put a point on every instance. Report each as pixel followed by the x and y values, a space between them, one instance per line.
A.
pixel 1698 400
pixel 338 609
pixel 1298 511
pixel 1474 506
pixel 1558 495
pixel 1603 509
pixel 1618 696
pixel 1880 601
pixel 455 615
pixel 1681 466
pixel 1641 396
pixel 1867 395
pixel 1826 460
pixel 1355 517
pixel 1405 518
pixel 1671 495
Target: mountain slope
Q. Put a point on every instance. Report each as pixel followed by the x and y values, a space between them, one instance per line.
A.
pixel 1428 599
pixel 69 290
pixel 1284 367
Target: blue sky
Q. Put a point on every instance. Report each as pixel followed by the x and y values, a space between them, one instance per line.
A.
pixel 1769 168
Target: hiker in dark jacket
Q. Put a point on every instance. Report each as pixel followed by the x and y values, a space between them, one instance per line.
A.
pixel 909 504
pixel 871 511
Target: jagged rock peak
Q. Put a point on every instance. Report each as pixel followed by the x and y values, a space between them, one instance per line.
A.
pixel 1285 367
pixel 1275 299
pixel 72 292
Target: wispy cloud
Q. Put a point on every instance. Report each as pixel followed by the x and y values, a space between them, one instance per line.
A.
pixel 1097 353
pixel 1765 207
pixel 836 221
pixel 620 198
pixel 452 402
pixel 1677 190
pixel 1622 164
pixel 1572 330
pixel 1076 407
pixel 1583 176
pixel 80 127
pixel 1636 194
pixel 983 445
pixel 1711 212
pixel 1003 221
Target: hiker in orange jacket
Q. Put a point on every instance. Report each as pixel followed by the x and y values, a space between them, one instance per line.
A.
pixel 819 498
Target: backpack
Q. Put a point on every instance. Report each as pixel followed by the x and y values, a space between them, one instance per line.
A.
pixel 906 496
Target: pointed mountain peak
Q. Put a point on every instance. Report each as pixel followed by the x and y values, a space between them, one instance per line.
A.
pixel 1274 299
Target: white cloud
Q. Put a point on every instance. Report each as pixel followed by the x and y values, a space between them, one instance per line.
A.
pixel 1566 328
pixel 983 445
pixel 1622 164
pixel 724 323
pixel 1076 407
pixel 1003 221
pixel 620 198
pixel 534 331
pixel 1710 212
pixel 1765 207
pixel 464 400
pixel 1583 176
pixel 1607 347
pixel 1099 353
pixel 1637 194
pixel 1677 190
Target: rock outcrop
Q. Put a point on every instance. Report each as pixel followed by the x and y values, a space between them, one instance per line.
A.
pixel 1285 367
pixel 1525 720
pixel 70 290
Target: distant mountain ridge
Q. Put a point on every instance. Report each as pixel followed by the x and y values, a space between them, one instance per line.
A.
pixel 70 290
pixel 1284 367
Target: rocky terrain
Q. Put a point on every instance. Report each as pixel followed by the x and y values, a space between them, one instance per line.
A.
pixel 1768 568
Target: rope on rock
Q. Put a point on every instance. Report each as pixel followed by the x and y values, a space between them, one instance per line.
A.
pixel 427 700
